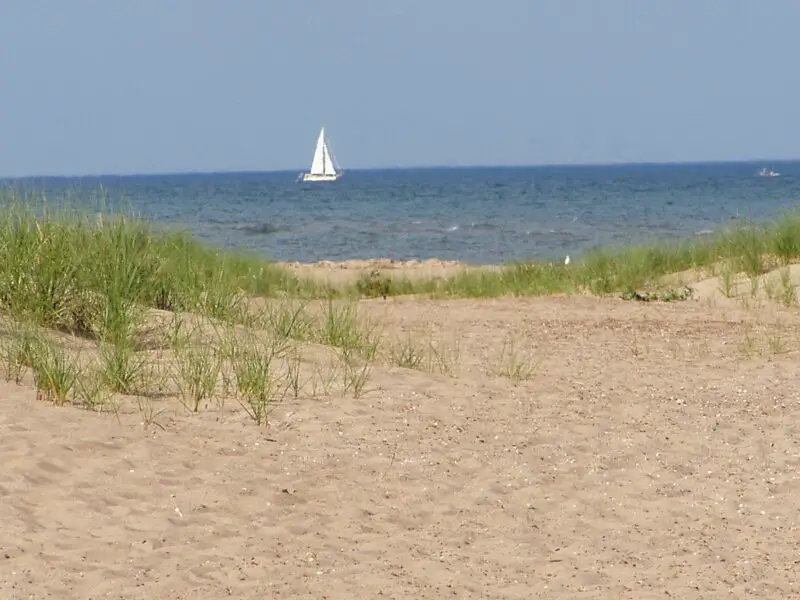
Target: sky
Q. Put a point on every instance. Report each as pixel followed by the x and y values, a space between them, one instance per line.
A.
pixel 158 86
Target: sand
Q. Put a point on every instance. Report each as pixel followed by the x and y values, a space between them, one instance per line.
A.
pixel 349 271
pixel 653 453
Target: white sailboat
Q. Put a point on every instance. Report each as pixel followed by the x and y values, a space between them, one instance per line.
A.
pixel 323 166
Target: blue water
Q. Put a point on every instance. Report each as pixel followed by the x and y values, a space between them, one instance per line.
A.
pixel 480 215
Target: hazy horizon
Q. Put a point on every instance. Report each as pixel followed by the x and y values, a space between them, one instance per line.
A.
pixel 767 162
pixel 138 88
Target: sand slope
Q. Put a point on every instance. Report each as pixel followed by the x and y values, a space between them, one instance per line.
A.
pixel 654 454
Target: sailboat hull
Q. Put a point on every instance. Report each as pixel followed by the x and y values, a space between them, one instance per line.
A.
pixel 321 177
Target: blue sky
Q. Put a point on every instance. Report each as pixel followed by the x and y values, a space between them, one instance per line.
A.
pixel 143 86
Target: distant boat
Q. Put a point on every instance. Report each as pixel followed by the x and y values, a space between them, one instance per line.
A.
pixel 323 166
pixel 767 173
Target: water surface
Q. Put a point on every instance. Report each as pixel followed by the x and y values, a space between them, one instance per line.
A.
pixel 480 215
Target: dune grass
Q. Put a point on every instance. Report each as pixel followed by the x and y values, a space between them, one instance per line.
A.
pixel 105 279
pixel 751 248
pixel 54 267
pixel 102 278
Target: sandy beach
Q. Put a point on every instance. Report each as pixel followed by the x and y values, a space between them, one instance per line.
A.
pixel 348 271
pixel 563 447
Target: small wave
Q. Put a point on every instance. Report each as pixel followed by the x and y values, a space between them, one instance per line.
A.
pixel 478 225
pixel 704 232
pixel 483 226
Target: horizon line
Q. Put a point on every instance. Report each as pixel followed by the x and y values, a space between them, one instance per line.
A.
pixel 707 162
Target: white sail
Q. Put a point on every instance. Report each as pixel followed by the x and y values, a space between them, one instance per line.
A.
pixel 323 166
pixel 330 162
pixel 318 164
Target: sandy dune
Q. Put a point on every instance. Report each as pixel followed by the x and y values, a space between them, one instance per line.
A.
pixel 348 271
pixel 654 453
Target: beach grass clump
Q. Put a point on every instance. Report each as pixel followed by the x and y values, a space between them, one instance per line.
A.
pixel 340 326
pixel 512 363
pixel 294 371
pixel 288 319
pixel 122 369
pixel 356 370
pixel 91 393
pixel 69 271
pixel 727 280
pixel 445 357
pixel 19 350
pixel 259 385
pixel 788 290
pixel 600 272
pixel 55 372
pixel 752 249
pixel 56 369
pixel 40 273
pixel 429 357
pixel 528 279
pixel 408 354
pixel 197 374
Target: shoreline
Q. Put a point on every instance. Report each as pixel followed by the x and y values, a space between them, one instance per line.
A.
pixel 378 263
pixel 349 271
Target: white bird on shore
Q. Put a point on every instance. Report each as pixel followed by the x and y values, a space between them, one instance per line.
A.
pixel 566 260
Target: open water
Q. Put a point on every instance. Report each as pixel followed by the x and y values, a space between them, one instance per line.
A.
pixel 479 215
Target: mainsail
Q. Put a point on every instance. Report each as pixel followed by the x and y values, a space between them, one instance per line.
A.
pixel 323 162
